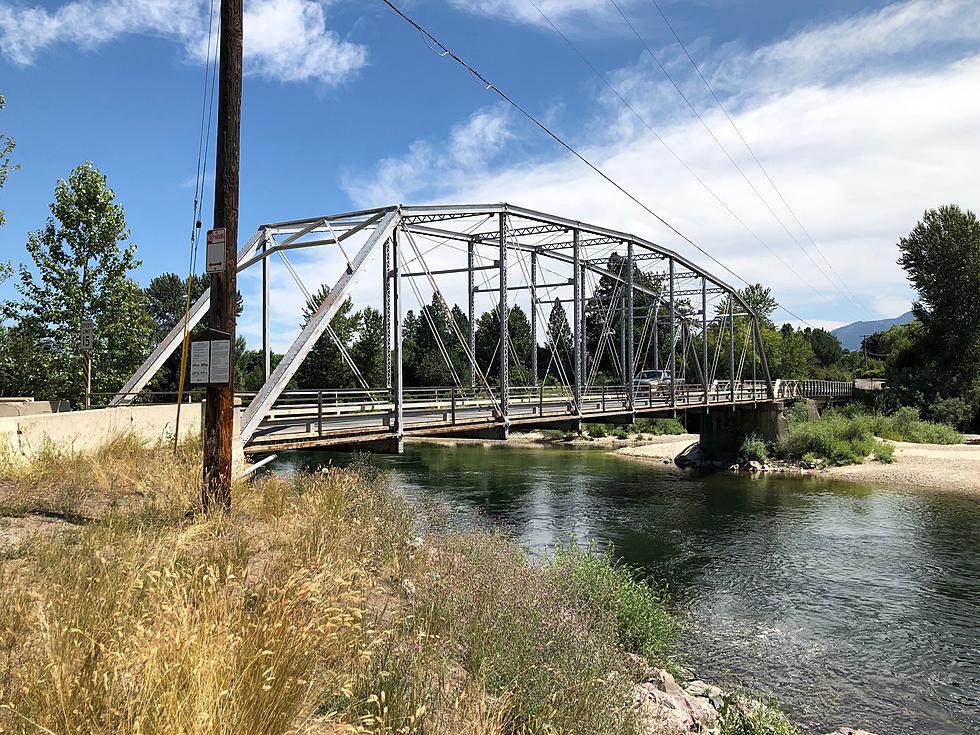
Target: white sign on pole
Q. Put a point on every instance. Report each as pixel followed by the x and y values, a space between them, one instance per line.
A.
pixel 211 362
pixel 220 362
pixel 200 361
pixel 215 253
pixel 87 335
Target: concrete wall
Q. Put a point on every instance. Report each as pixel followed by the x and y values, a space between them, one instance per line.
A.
pixel 723 430
pixel 86 431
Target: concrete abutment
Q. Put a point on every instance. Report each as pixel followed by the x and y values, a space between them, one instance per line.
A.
pixel 724 429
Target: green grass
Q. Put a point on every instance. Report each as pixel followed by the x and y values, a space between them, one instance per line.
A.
pixel 742 716
pixel 622 602
pixel 659 426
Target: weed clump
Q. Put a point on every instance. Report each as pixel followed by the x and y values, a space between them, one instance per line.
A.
pixel 753 449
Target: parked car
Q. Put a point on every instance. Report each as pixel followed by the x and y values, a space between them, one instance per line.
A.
pixel 652 379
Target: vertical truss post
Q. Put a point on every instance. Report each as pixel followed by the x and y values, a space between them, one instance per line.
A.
pixel 471 309
pixel 628 357
pixel 534 319
pixel 731 348
pixel 577 314
pixel 656 334
pixel 266 349
pixel 398 367
pixel 763 359
pixel 622 337
pixel 704 337
pixel 504 352
pixel 672 361
pixel 386 269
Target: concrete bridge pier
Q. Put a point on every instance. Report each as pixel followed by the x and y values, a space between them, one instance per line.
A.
pixel 724 429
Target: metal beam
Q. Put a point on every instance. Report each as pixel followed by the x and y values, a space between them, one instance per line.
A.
pixel 577 323
pixel 175 336
pixel 534 319
pixel 471 311
pixel 386 252
pixel 628 356
pixel 504 352
pixel 314 328
pixel 266 348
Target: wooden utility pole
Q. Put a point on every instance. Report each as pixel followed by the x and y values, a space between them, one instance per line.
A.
pixel 219 411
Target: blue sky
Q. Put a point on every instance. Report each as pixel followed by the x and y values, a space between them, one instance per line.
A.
pixel 864 113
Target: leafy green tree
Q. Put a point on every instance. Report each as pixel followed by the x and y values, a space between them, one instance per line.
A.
pixel 941 257
pixel 7 145
pixel 519 332
pixel 558 343
pixel 827 349
pixel 369 348
pixel 324 366
pixel 82 272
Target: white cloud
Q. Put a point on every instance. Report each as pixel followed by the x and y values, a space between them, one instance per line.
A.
pixel 436 169
pixel 521 11
pixel 286 40
pixel 859 156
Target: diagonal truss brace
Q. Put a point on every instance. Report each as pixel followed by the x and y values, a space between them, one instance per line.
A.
pixel 315 327
pixel 175 336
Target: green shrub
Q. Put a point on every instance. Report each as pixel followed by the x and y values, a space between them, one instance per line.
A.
pixel 753 449
pixel 659 427
pixel 797 413
pixel 747 717
pixel 884 452
pixel 596 431
pixel 834 438
pixel 600 584
pixel 905 425
pixel 620 432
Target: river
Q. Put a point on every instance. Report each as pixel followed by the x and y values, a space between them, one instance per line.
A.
pixel 850 605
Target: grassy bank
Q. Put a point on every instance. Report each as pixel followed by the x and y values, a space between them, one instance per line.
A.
pixel 313 607
pixel 850 434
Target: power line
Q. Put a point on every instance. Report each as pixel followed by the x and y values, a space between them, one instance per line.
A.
pixel 567 146
pixel 720 145
pixel 745 142
pixel 670 150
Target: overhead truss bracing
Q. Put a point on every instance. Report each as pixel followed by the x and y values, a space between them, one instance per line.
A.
pixel 630 306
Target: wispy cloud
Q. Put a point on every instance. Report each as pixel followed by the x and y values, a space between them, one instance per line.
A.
pixel 859 155
pixel 434 169
pixel 521 11
pixel 285 40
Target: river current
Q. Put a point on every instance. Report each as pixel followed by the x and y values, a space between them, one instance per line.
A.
pixel 850 605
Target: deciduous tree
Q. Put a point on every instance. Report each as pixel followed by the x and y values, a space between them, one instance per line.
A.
pixel 82 271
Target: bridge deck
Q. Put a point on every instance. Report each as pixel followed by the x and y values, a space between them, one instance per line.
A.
pixel 311 419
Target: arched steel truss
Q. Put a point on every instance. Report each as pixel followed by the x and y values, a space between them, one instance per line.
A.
pixel 510 249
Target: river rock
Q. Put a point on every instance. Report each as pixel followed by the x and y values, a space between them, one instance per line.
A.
pixel 849 731
pixel 752 466
pixel 713 694
pixel 665 707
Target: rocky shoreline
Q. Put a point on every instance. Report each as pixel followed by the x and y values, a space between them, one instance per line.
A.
pixel 694 706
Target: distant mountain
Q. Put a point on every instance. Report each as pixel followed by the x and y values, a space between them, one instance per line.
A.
pixel 850 335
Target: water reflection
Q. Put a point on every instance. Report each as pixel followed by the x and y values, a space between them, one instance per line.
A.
pixel 852 606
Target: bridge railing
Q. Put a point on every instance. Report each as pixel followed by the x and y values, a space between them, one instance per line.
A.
pixel 814 389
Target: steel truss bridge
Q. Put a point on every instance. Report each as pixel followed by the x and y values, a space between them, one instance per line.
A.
pixel 654 309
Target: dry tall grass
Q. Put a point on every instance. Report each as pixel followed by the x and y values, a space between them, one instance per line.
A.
pixel 311 608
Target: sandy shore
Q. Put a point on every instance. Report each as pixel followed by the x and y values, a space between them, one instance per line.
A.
pixel 954 468
pixel 935 466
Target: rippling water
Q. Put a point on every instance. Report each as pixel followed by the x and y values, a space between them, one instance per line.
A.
pixel 851 605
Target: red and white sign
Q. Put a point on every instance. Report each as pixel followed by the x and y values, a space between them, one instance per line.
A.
pixel 215 252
